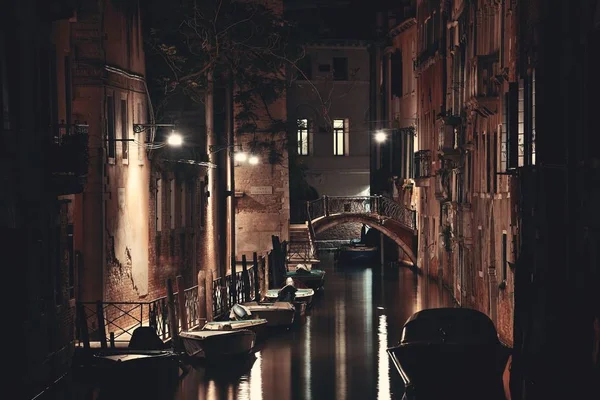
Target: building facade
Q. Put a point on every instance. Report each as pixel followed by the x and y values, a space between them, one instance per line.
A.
pixel 394 139
pixel 328 102
pixel 44 162
pixel 111 217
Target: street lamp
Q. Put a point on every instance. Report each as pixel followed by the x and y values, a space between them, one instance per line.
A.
pixel 240 157
pixel 253 160
pixel 174 139
pixel 380 137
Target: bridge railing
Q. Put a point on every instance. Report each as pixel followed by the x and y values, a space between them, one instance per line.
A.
pixel 382 206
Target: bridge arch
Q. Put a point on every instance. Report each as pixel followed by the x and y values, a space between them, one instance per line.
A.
pixel 403 236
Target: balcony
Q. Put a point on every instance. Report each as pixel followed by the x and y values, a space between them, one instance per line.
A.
pixel 442 192
pixel 483 85
pixel 69 159
pixel 449 138
pixel 422 168
pixel 427 54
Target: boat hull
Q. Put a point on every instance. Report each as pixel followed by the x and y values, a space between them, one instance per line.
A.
pixel 303 295
pixel 277 314
pixel 119 365
pixel 258 326
pixel 313 279
pixel 218 344
pixel 365 256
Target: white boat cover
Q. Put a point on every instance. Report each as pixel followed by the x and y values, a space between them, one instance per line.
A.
pixel 228 325
pixel 275 306
pixel 300 293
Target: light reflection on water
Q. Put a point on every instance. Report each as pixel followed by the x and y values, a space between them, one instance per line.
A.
pixel 383 365
pixel 337 353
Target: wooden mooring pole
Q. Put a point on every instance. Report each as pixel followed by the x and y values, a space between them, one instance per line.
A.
pixel 202 298
pixel 181 303
pixel 173 325
pixel 255 277
pixel 209 296
pixel 101 325
pixel 245 279
pixel 82 324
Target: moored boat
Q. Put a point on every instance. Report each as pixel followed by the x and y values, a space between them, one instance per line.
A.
pixel 257 325
pixel 215 344
pixel 450 353
pixel 303 295
pixel 311 278
pixel 357 254
pixel 277 314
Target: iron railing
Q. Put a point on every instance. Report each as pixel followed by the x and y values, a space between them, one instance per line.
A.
pixel 379 205
pixel 422 164
pixel 114 322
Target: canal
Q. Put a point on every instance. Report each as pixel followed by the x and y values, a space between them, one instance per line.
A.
pixel 339 353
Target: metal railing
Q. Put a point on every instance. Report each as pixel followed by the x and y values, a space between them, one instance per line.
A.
pixel 422 164
pixel 111 323
pixel 379 205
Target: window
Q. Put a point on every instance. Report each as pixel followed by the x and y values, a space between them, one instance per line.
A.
pixel 489 158
pixel 4 90
pixel 71 261
pixel 68 93
pixel 339 133
pixel 512 109
pixel 521 124
pixel 158 203
pixel 340 68
pixel 532 137
pixel 305 67
pixel 303 137
pixel 503 136
pixel 124 130
pixel 110 126
pixel 495 164
pixel 396 84
pixel 504 256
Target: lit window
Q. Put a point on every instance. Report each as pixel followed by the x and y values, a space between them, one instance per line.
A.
pixel 339 133
pixel 533 118
pixel 303 137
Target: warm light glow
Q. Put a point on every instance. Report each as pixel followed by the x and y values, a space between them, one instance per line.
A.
pixel 340 349
pixel 380 137
pixel 174 139
pixel 240 157
pixel 307 361
pixel 383 364
pixel 253 160
pixel 256 386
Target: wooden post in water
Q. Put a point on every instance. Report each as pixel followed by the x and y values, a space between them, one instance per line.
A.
pixel 209 296
pixel 263 275
pixel 255 277
pixel 112 340
pixel 84 334
pixel 233 288
pixel 269 274
pixel 245 279
pixel 173 326
pixel 202 298
pixel 101 326
pixel 181 303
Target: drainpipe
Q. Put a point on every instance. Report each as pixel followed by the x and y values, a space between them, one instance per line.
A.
pixel 229 126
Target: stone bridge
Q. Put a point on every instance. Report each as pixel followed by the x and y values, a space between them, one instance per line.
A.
pixel 378 212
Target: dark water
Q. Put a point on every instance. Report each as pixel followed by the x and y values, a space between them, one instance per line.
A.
pixel 339 353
